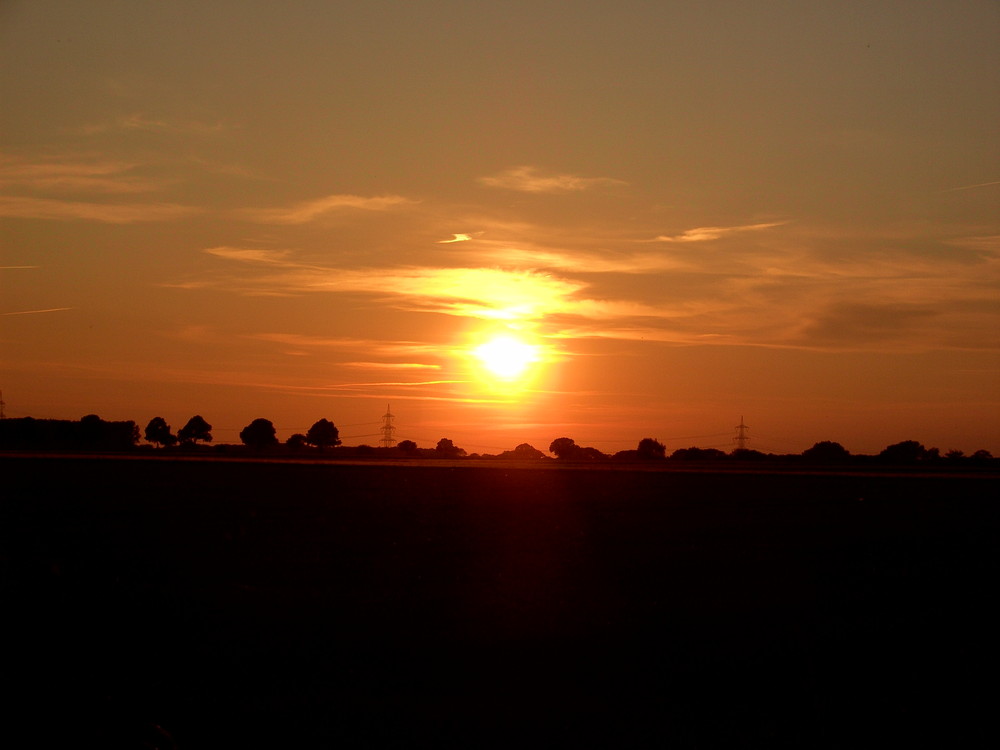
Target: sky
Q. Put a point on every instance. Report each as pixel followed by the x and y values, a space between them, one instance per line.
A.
pixel 510 221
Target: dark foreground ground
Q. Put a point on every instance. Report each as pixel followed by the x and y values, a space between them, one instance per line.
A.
pixel 220 604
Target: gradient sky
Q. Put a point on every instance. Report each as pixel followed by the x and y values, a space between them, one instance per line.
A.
pixel 696 211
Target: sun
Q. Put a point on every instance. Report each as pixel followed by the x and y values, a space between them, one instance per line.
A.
pixel 506 357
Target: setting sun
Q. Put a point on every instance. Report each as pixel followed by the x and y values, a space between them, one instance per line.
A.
pixel 506 357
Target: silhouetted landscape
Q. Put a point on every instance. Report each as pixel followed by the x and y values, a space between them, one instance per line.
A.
pixel 258 440
pixel 158 597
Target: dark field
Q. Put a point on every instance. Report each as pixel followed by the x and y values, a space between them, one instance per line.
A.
pixel 310 605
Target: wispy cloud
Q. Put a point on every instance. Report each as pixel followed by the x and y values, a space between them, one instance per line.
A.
pixel 703 234
pixel 461 237
pixel 251 255
pixel 527 179
pixel 794 288
pixel 302 213
pixel 390 365
pixel 108 213
pixel 139 121
pixel 381 347
pixel 73 175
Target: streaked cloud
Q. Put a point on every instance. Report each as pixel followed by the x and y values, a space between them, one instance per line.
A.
pixel 75 175
pixel 527 179
pixel 390 365
pixel 788 291
pixel 109 213
pixel 250 255
pixel 703 234
pixel 384 347
pixel 462 237
pixel 302 213
pixel 140 121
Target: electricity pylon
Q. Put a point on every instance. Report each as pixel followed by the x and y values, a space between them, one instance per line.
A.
pixel 387 440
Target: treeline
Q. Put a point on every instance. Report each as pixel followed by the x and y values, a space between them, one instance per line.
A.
pixel 826 452
pixel 91 433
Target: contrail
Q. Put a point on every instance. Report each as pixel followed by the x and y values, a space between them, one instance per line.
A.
pixel 970 187
pixel 32 312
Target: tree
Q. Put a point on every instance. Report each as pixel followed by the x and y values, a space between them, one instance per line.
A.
pixel 906 452
pixel 448 449
pixel 259 434
pixel 564 448
pixel 196 429
pixel 158 432
pixel 296 442
pixel 651 449
pixel 524 452
pixel 826 451
pixel 92 432
pixel 322 434
pixel 407 446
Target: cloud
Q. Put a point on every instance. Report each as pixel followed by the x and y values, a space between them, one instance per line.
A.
pixel 528 180
pixel 302 213
pixel 804 288
pixel 390 365
pixel 703 234
pixel 532 255
pixel 459 238
pixel 365 346
pixel 869 323
pixel 109 213
pixel 138 121
pixel 251 255
pixel 72 175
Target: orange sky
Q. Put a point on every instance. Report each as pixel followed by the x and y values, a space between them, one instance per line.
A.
pixel 692 212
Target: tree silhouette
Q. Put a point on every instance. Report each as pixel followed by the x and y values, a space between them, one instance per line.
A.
pixel 906 452
pixel 196 429
pixel 565 448
pixel 826 451
pixel 158 432
pixel 92 432
pixel 650 448
pixel 296 442
pixel 407 446
pixel 259 434
pixel 448 449
pixel 322 434
pixel 524 452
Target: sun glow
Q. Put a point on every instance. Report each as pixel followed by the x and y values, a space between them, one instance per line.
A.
pixel 506 357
